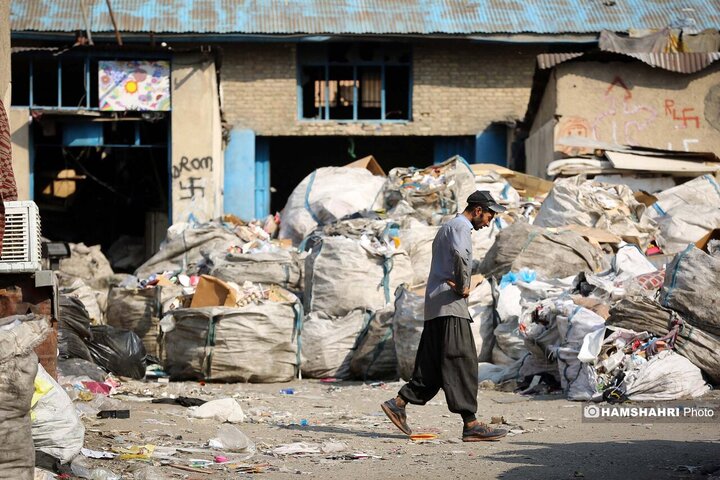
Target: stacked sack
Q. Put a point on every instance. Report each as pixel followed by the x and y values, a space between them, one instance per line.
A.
pixel 602 320
pixel 351 272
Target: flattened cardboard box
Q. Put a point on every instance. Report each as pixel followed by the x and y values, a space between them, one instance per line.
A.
pixel 213 292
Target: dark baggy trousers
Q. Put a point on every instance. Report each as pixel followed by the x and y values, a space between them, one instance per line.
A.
pixel 447 359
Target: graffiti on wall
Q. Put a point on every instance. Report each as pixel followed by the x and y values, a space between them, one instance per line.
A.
pixel 193 182
pixel 192 165
pixel 624 116
pixel 684 116
pixel 626 120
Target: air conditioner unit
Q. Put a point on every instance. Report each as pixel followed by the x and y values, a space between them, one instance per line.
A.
pixel 21 246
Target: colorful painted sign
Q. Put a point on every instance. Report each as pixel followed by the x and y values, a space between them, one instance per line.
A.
pixel 134 85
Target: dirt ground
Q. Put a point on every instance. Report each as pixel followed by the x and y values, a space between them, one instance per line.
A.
pixel 549 440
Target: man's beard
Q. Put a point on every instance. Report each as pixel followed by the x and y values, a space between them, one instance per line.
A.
pixel 477 223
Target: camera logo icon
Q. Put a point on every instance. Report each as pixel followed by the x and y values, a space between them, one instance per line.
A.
pixel 591 411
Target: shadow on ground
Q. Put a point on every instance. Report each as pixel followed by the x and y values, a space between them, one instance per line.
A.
pixel 344 431
pixel 649 459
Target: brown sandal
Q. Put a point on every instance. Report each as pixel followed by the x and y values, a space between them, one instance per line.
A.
pixel 396 415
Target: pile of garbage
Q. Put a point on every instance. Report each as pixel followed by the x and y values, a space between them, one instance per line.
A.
pixel 602 318
pixel 332 286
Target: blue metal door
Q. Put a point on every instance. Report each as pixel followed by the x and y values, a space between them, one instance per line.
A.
pixel 239 185
pixel 262 177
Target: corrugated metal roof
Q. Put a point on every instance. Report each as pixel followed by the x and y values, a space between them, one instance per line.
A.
pixel 690 62
pixel 549 60
pixel 365 16
pixel 687 62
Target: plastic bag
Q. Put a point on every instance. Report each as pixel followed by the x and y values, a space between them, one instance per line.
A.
pixel 73 329
pixel 667 376
pixel 18 367
pixel 56 428
pixel 118 351
pixel 222 410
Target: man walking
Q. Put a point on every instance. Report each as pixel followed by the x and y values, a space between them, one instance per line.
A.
pixel 446 357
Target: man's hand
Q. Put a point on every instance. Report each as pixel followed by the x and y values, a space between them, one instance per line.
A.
pixel 465 293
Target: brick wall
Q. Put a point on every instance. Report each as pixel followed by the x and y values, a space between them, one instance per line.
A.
pixel 458 89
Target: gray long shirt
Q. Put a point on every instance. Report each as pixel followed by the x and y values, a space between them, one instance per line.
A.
pixel 451 260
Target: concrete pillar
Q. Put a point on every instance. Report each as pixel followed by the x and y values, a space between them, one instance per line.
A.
pixel 196 171
pixel 20 135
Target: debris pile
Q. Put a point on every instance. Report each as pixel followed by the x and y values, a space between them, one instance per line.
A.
pixel 608 319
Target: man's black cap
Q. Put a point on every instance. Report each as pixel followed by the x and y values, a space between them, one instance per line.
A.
pixel 482 198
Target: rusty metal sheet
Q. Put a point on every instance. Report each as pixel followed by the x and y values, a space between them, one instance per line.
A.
pixel 280 17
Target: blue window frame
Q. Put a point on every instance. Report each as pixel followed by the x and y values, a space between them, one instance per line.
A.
pixel 355 82
pixel 66 82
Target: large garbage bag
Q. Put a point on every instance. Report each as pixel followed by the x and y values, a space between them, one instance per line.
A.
pixel 76 287
pixel 640 313
pixel 327 195
pixel 685 224
pixel 509 344
pixel 666 376
pixel 550 254
pixel 692 288
pixel 408 325
pixel 499 188
pixel 283 267
pixel 18 367
pixel 541 337
pixel 341 275
pixel 73 329
pixel 432 193
pixel 481 305
pixel 56 427
pixel 137 310
pixel 256 343
pixel 576 377
pixel 78 367
pixel 185 245
pixel 576 201
pixel 87 263
pixel 328 343
pixel 417 239
pixel 118 351
pixel 374 357
pixel 701 191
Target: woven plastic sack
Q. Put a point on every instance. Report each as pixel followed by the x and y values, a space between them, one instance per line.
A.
pixel 327 195
pixel 550 254
pixel 576 201
pixel 666 376
pixel 328 343
pixel 431 193
pixel 18 368
pixel 185 247
pixel 408 325
pixel 255 343
pixel 374 357
pixel 137 310
pixel 341 275
pixel 692 288
pixel 284 268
